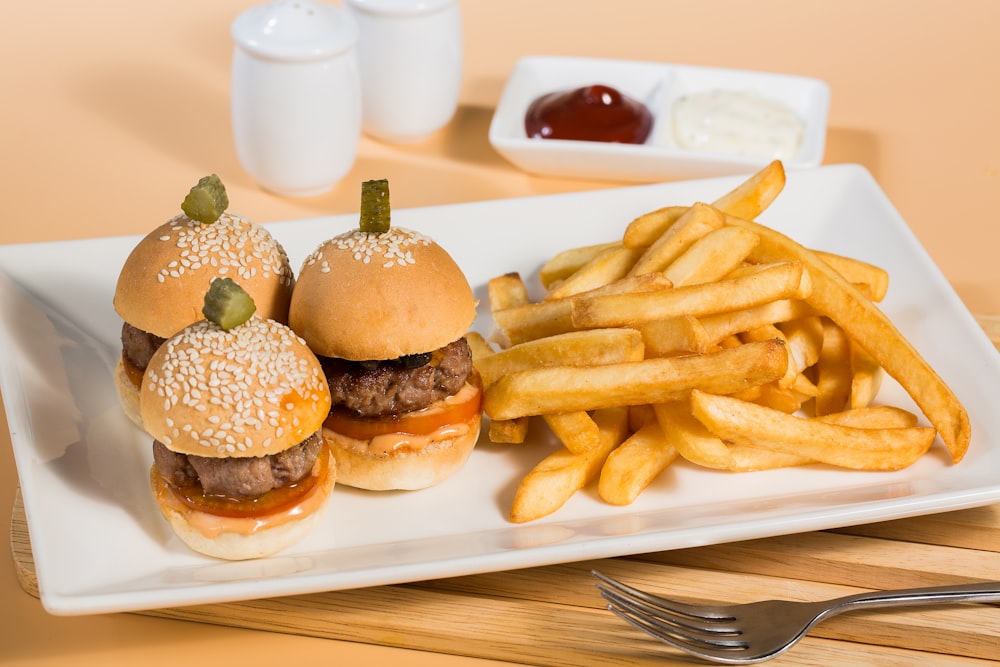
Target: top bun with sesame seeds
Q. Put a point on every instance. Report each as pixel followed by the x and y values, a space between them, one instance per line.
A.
pixel 254 390
pixel 363 296
pixel 164 279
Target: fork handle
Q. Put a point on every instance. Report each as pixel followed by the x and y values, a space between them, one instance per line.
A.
pixel 978 592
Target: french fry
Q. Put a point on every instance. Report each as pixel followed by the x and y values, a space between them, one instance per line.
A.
pixel 804 336
pixel 746 458
pixel 866 377
pixel 725 324
pixel 783 280
pixel 481 349
pixel 683 334
pixel 833 370
pixel 874 332
pixel 605 268
pixel 643 231
pixel 875 416
pixel 690 438
pixel 509 431
pixel 711 257
pixel 591 347
pixel 567 262
pixel 697 221
pixel 558 476
pixel 567 389
pixel 575 430
pixel 746 423
pixel 752 197
pixel 503 292
pixel 634 464
pixel 506 291
pixel 550 317
pixel 859 273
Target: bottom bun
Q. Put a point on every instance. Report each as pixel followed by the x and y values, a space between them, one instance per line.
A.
pixel 128 394
pixel 240 538
pixel 406 469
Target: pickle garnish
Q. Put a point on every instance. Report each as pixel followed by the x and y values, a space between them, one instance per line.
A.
pixel 375 212
pixel 227 304
pixel 206 201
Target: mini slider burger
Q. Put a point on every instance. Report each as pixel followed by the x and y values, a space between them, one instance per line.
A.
pixel 163 282
pixel 235 404
pixel 386 310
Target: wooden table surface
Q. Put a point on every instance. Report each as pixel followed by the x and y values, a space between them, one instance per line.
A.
pixel 109 107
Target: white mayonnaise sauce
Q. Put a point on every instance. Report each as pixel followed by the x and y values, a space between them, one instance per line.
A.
pixel 736 122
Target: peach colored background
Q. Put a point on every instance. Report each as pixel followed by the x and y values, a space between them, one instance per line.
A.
pixel 112 108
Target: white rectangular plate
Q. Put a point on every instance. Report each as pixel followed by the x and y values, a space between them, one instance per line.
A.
pixel 100 544
pixel 658 86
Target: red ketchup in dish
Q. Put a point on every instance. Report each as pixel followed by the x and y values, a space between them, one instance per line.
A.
pixel 591 113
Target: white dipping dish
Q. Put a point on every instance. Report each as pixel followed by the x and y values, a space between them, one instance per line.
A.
pixel 658 86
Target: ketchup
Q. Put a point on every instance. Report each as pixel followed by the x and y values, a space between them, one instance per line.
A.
pixel 591 113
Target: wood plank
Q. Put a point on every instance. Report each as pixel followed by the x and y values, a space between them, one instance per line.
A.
pixel 554 616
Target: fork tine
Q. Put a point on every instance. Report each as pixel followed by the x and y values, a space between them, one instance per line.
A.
pixel 706 620
pixel 706 635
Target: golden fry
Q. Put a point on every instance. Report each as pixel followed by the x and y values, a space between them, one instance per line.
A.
pixel 644 230
pixel 783 280
pixel 874 332
pixel 746 423
pixel 697 221
pixel 675 335
pixel 575 430
pixel 634 464
pixel 558 476
pixel 605 268
pixel 690 438
pixel 509 431
pixel 575 348
pixel 833 370
pixel 567 389
pixel 568 262
pixel 711 257
pixel 753 196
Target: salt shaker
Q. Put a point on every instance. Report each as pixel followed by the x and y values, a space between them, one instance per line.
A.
pixel 410 52
pixel 296 95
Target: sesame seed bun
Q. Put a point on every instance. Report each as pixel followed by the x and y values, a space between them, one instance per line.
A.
pixel 363 296
pixel 253 390
pixel 363 465
pixel 162 285
pixel 241 538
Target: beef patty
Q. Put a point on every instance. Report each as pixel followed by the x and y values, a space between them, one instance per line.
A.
pixel 379 388
pixel 138 346
pixel 242 477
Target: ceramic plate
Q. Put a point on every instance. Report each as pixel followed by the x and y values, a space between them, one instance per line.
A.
pixel 100 544
pixel 658 86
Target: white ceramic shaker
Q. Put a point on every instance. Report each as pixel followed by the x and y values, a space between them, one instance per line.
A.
pixel 410 53
pixel 296 95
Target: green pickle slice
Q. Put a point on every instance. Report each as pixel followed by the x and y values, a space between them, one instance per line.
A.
pixel 227 304
pixel 375 211
pixel 206 201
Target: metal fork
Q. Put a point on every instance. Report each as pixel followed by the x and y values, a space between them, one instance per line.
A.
pixel 757 631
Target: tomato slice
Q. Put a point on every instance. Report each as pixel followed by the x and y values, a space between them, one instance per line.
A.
pixel 457 409
pixel 275 500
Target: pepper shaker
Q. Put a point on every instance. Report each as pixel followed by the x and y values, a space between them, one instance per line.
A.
pixel 296 95
pixel 410 53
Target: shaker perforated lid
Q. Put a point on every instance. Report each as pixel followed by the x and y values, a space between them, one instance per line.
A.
pixel 292 30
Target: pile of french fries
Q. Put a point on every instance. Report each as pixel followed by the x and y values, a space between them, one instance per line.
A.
pixel 704 335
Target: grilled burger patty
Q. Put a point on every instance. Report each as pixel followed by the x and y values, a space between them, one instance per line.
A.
pixel 244 477
pixel 380 388
pixel 138 346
